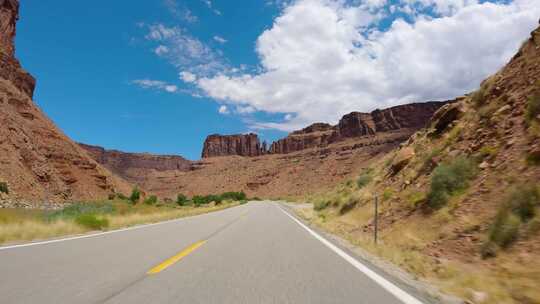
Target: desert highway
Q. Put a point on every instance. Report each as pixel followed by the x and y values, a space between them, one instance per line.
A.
pixel 254 253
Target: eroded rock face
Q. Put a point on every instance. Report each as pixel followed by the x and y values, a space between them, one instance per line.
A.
pixel 225 145
pixel 37 160
pixel 408 117
pixel 120 162
pixel 10 68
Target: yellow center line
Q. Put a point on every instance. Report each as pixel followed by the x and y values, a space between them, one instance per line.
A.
pixel 169 262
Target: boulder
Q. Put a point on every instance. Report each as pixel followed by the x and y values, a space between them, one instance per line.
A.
pixel 447 114
pixel 402 159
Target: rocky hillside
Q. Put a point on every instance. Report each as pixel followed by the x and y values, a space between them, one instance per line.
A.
pixel 459 200
pixel 132 166
pixel 38 163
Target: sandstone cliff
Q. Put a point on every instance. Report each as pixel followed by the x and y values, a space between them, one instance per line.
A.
pixel 37 161
pixel 132 166
pixel 224 145
pixel 406 118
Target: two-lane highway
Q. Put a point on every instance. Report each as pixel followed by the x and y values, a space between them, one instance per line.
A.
pixel 254 253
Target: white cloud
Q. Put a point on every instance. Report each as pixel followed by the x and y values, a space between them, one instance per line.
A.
pixel 223 110
pixel 188 77
pixel 183 50
pixel 161 50
pixel 220 39
pixel 211 7
pixel 156 84
pixel 324 58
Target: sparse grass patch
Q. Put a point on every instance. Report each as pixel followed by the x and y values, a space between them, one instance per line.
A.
pixel 349 204
pixel 478 98
pixel 151 200
pixel 387 194
pixel 487 152
pixel 415 199
pixel 533 159
pixel 364 180
pixel 4 187
pixel 92 222
pixel 321 205
pixel 449 178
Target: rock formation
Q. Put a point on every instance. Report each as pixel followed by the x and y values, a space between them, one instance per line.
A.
pixel 225 145
pixel 407 118
pixel 37 161
pixel 123 163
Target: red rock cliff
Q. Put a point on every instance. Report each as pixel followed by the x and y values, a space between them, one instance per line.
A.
pixel 408 117
pixel 239 144
pixel 119 162
pixel 10 68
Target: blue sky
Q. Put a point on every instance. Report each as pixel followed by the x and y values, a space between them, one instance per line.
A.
pixel 159 76
pixel 86 56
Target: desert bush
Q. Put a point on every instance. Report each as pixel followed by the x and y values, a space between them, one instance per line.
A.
pixel 363 180
pixel 199 200
pixel 135 195
pixel 151 200
pixel 4 187
pixel 91 221
pixel 448 179
pixel 321 205
pixel 533 107
pixel 235 196
pixel 478 98
pixel 519 207
pixel 348 205
pixel 181 200
pixel 487 152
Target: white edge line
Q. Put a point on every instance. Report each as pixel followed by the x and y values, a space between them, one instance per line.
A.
pixel 92 235
pixel 393 289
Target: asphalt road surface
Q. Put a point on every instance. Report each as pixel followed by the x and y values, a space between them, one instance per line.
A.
pixel 254 253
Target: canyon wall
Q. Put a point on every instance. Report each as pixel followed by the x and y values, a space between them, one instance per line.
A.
pixel 239 144
pixel 38 162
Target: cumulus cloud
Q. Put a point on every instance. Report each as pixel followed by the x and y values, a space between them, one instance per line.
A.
pixel 324 58
pixel 156 84
pixel 188 77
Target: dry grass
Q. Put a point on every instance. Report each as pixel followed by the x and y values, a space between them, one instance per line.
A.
pixel 18 225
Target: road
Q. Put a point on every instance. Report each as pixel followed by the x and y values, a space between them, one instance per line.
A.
pixel 254 253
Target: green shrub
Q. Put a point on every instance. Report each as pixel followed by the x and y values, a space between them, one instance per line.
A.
pixel 533 107
pixel 91 221
pixel 505 229
pixel 4 187
pixel 235 196
pixel 363 180
pixel 135 195
pixel 321 205
pixel 523 202
pixel 199 200
pixel 447 179
pixel 181 200
pixel 348 205
pixel 487 152
pixel 519 207
pixel 151 200
pixel 76 209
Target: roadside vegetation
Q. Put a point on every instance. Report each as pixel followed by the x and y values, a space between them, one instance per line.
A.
pixel 117 212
